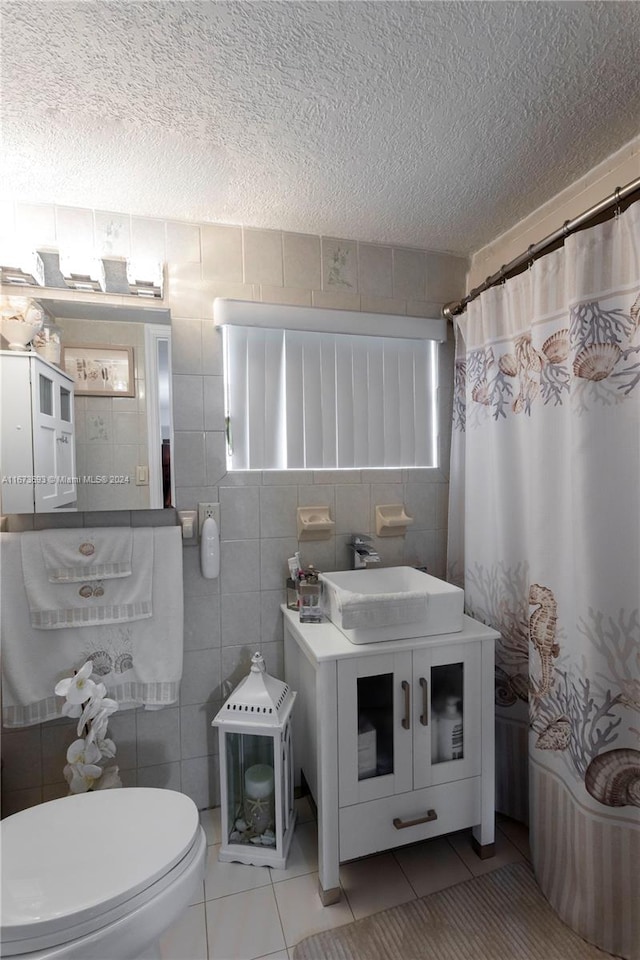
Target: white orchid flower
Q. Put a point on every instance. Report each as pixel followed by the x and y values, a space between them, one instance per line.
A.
pixel 82 777
pixel 106 747
pixel 97 729
pixel 109 780
pixel 71 709
pixel 87 701
pixel 82 752
pixel 96 710
pixel 78 688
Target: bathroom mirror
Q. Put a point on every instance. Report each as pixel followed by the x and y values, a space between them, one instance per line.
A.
pixel 123 442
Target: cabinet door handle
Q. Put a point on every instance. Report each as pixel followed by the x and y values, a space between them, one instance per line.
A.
pixel 403 824
pixel 406 720
pixel 424 716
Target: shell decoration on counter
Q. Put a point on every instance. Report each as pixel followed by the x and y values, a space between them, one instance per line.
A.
pixel 20 320
pixel 596 361
pixel 613 778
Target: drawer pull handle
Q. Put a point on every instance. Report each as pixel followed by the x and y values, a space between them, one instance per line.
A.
pixel 424 716
pixel 402 824
pixel 406 720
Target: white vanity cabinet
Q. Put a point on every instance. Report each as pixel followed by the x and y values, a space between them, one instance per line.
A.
pixel 37 442
pixel 383 766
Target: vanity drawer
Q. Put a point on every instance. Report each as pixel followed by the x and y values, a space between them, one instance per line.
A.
pixel 368 827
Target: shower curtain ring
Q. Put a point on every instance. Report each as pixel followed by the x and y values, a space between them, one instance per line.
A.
pixel 565 228
pixel 530 255
pixel 616 197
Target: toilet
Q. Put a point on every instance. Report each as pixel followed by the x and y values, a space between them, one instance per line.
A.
pixel 99 875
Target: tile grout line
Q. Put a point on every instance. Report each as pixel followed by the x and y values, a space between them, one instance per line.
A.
pixel 273 890
pixel 404 874
pixel 206 922
pixel 522 853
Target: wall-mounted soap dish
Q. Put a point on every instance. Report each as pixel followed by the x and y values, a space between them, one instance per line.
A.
pixel 314 523
pixel 392 520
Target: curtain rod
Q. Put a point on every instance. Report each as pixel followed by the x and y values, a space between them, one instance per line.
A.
pixel 620 193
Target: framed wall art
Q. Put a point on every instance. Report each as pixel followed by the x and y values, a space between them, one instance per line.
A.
pixel 100 370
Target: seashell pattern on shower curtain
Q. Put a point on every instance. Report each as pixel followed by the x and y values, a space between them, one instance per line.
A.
pixel 543 536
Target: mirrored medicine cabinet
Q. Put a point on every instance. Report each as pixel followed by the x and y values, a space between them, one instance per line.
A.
pixel 122 432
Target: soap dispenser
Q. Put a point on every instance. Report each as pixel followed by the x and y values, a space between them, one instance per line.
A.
pixel 210 549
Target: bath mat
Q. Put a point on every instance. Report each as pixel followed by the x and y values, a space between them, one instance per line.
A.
pixel 499 916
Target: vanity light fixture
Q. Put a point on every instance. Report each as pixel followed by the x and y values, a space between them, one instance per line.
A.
pixel 75 271
pixel 22 269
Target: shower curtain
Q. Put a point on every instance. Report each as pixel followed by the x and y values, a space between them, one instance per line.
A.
pixel 544 536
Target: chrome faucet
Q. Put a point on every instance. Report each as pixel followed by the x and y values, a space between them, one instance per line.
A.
pixel 363 553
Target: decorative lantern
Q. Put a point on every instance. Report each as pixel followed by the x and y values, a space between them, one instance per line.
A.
pixel 256 770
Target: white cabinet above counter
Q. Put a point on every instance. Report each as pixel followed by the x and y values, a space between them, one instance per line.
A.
pixel 38 462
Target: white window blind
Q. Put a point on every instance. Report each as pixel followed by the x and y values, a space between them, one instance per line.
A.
pixel 306 400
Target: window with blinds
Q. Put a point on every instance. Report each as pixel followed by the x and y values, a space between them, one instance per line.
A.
pixel 297 399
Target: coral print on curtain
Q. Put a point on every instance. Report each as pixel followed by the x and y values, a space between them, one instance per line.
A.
pixel 545 538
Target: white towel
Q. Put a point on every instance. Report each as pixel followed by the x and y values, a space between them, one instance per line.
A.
pixel 56 606
pixel 140 662
pixel 381 610
pixel 84 554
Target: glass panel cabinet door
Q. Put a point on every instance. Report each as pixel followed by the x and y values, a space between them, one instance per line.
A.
pixel 45 396
pixel 53 439
pixel 374 719
pixel 447 728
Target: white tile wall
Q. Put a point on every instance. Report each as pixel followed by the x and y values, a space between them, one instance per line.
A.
pixel 263 257
pixel 301 261
pixel 183 242
pixel 375 270
pixel 228 619
pixel 241 619
pixel 239 512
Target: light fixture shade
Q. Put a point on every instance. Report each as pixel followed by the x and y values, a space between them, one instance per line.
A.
pixel 82 273
pixel 145 278
pixel 21 268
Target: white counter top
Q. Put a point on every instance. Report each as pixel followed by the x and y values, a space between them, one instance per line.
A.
pixel 323 641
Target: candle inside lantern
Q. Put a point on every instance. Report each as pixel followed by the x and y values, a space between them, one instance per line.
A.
pixel 258 781
pixel 258 797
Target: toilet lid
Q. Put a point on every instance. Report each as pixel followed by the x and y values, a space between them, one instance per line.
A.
pixel 65 860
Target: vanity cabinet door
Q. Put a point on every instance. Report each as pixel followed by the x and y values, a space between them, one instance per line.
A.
pixel 374 727
pixel 53 437
pixel 447 714
pixel 37 447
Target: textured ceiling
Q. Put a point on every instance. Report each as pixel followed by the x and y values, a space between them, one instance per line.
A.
pixel 434 124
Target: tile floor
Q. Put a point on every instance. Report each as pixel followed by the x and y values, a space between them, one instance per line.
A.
pixel 257 913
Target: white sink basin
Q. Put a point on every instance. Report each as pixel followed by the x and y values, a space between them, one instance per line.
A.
pixel 391 603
